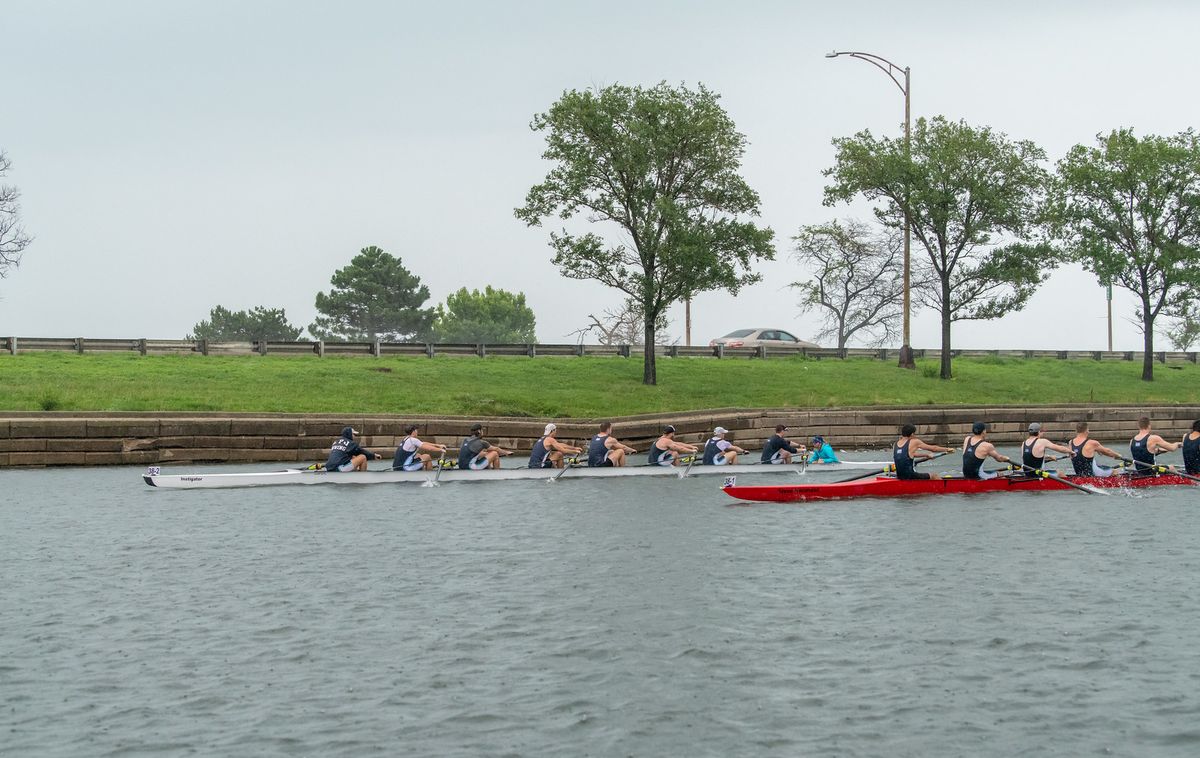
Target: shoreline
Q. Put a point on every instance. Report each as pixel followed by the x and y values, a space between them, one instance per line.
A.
pixel 40 439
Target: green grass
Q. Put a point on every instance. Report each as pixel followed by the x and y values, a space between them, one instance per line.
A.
pixel 557 387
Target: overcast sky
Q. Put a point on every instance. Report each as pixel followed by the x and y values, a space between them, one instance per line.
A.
pixel 173 156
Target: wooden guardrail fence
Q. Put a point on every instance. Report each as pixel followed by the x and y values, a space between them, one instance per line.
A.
pixel 143 346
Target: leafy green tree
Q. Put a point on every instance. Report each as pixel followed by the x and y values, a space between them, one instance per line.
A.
pixel 661 166
pixel 856 286
pixel 258 323
pixel 13 239
pixel 375 297
pixel 1129 211
pixel 975 200
pixel 494 316
pixel 1184 329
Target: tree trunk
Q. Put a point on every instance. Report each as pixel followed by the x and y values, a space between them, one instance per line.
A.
pixel 1147 343
pixel 946 372
pixel 649 370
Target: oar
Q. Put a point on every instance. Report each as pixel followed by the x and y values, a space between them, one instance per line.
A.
pixel 440 465
pixel 568 464
pixel 886 469
pixel 1048 475
pixel 683 474
pixel 1157 469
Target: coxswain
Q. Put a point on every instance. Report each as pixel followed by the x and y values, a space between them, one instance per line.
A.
pixel 548 451
pixel 976 449
pixel 1033 449
pixel 719 451
pixel 905 453
pixel 1145 445
pixel 821 451
pixel 778 449
pixel 663 451
pixel 1083 453
pixel 606 450
pixel 347 455
pixel 476 453
pixel 413 454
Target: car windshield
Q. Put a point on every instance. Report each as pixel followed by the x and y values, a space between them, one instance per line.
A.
pixel 739 333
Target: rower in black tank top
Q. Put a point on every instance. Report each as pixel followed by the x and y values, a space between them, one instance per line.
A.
pixel 972 464
pixel 905 465
pixel 1140 452
pixel 1082 465
pixel 1027 456
pixel 1191 454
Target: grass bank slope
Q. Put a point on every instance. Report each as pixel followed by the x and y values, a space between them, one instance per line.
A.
pixel 555 387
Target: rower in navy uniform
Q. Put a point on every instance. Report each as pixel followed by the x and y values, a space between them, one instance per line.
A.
pixel 606 450
pixel 665 449
pixel 1083 453
pixel 477 453
pixel 1191 450
pixel 778 449
pixel 1145 445
pixel 413 454
pixel 719 451
pixel 548 451
pixel 347 455
pixel 1033 449
pixel 976 449
pixel 904 453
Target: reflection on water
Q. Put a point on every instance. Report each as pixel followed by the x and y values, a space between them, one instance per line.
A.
pixel 613 617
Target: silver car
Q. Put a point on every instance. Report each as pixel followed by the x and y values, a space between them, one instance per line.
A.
pixel 756 337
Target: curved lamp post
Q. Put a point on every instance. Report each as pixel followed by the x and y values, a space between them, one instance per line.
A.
pixel 893 72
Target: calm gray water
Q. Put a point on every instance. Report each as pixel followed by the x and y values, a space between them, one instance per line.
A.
pixel 605 618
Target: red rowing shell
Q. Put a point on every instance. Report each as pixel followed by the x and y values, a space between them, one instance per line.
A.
pixel 885 486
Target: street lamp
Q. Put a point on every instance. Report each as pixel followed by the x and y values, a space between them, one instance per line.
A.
pixel 893 71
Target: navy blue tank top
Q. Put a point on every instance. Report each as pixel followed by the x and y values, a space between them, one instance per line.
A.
pixel 597 452
pixel 1027 456
pixel 1140 452
pixel 971 464
pixel 1191 455
pixel 711 451
pixel 540 457
pixel 657 456
pixel 1082 464
pixel 905 467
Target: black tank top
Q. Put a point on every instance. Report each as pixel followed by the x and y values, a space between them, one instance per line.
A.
pixel 597 451
pixel 1140 452
pixel 905 467
pixel 1191 455
pixel 971 464
pixel 1082 464
pixel 1027 456
pixel 539 457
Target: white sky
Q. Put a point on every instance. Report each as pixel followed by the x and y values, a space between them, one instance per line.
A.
pixel 173 156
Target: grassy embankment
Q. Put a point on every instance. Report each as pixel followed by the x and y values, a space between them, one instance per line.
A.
pixel 557 387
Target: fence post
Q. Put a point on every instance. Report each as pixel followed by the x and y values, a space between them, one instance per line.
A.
pixel 320 348
pixel 623 351
pixel 204 347
pixel 260 347
pixel 79 345
pixel 1062 355
pixel 1162 357
pixel 719 350
pixel 142 346
pixel 761 352
pixel 1128 356
pixel 883 353
pixel 579 350
pixel 531 350
pixel 1097 355
pixel 12 345
pixel 428 349
pixel 1192 357
pixel 375 348
pixel 481 350
pixel 673 351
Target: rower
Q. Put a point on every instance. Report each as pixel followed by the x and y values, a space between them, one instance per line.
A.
pixel 413 454
pixel 548 451
pixel 719 451
pixel 663 451
pixel 976 449
pixel 605 449
pixel 1033 450
pixel 347 455
pixel 476 453
pixel 1191 450
pixel 1083 453
pixel 822 451
pixel 904 453
pixel 1145 445
pixel 777 448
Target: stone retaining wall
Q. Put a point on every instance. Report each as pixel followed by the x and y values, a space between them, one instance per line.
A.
pixel 87 439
